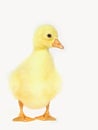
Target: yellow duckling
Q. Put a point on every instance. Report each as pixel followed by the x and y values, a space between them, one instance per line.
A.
pixel 36 82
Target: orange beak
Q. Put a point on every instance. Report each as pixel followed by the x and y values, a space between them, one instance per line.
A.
pixel 57 44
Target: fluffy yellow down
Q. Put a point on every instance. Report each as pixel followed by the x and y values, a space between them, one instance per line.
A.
pixel 35 82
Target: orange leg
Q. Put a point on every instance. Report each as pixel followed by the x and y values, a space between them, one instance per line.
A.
pixel 46 116
pixel 22 116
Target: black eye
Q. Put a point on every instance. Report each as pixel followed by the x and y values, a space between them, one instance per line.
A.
pixel 49 35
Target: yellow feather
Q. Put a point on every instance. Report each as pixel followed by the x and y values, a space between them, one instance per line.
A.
pixel 35 82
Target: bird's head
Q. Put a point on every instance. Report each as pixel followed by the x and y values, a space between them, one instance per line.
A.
pixel 45 37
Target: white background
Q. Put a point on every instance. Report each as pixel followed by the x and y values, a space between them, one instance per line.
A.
pixel 76 107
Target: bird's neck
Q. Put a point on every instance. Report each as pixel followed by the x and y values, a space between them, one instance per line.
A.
pixel 41 49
